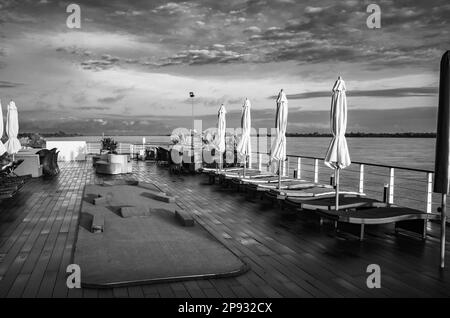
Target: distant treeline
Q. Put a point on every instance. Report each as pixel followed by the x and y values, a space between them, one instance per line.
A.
pixel 50 134
pixel 373 135
pixel 313 134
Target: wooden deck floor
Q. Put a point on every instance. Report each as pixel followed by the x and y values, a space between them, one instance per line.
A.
pixel 289 255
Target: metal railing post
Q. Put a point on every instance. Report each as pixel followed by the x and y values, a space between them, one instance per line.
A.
pixel 385 193
pixel 316 170
pixel 361 178
pixel 299 168
pixel 391 185
pixel 259 161
pixel 429 192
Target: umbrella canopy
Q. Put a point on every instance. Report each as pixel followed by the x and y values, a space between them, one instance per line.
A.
pixel 2 147
pixel 442 157
pixel 244 147
pixel 278 151
pixel 221 127
pixel 12 129
pixel 337 156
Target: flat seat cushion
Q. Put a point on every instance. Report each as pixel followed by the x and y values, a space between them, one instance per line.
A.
pixel 292 185
pixel 309 192
pixel 378 215
pixel 345 202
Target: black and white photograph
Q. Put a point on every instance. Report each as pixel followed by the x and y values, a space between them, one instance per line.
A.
pixel 234 156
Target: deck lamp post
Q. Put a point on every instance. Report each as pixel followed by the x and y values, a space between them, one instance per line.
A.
pixel 192 95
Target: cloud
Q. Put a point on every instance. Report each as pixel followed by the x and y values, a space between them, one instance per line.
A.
pixel 100 121
pixel 127 13
pixel 172 8
pixel 252 29
pixel 212 55
pixel 7 84
pixel 101 108
pixel 96 65
pixel 106 61
pixel 111 99
pixel 214 102
pixel 311 10
pixel 391 92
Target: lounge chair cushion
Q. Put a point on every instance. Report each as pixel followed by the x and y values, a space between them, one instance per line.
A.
pixel 328 203
pixel 378 215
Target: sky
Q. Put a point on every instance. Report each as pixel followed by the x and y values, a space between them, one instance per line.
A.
pixel 130 67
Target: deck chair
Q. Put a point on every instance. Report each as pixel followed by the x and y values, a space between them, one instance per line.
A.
pixel 410 221
pixel 236 179
pixel 214 173
pixel 261 185
pixel 10 183
pixel 305 190
pixel 269 179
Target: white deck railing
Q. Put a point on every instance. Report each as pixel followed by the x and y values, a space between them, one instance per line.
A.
pixel 397 185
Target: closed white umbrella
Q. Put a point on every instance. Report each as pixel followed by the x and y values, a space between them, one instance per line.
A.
pixel 2 147
pixel 221 127
pixel 12 129
pixel 337 156
pixel 244 147
pixel 278 151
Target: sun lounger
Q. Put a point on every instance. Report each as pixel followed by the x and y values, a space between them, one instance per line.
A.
pixel 235 178
pixel 249 173
pixel 305 191
pixel 346 201
pixel 216 171
pixel 265 179
pixel 262 185
pixel 405 219
pixel 10 184
pixel 286 184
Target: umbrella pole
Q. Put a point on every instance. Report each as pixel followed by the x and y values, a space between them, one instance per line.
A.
pixel 279 174
pixel 217 164
pixel 245 164
pixel 336 180
pixel 443 225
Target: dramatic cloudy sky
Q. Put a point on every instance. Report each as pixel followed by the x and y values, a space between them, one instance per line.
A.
pixel 132 64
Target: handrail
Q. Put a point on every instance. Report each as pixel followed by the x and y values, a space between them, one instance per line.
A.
pixel 356 162
pixel 362 178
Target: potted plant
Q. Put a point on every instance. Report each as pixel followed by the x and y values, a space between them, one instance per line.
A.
pixel 109 145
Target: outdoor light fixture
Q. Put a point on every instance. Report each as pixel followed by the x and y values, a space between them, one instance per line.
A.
pixel 192 95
